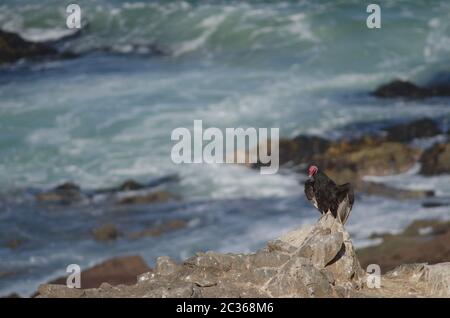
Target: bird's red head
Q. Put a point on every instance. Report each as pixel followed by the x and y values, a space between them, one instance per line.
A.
pixel 312 171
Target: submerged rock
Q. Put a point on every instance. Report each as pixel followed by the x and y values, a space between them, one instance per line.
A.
pixel 13 48
pixel 153 197
pixel 399 88
pixel 65 193
pixel 436 160
pixel 160 229
pixel 106 232
pixel 14 243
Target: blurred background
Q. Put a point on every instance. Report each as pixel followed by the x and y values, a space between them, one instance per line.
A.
pixel 86 118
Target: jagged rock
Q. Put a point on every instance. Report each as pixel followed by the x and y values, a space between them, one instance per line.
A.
pixel 316 261
pixel 436 160
pixel 311 267
pixel 106 232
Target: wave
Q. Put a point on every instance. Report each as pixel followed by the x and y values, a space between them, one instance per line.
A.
pixel 181 26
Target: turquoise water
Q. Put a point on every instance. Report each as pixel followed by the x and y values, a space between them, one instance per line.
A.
pixel 302 66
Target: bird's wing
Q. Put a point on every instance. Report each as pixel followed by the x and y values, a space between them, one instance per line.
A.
pixel 309 192
pixel 346 198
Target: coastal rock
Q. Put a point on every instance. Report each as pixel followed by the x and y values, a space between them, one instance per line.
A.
pixel 380 189
pixel 436 160
pixel 13 48
pixel 153 197
pixel 399 88
pixel 421 128
pixel 422 241
pixel 106 232
pixel 280 269
pixel 115 271
pixel 302 149
pixel 367 156
pixel 159 229
pixel 312 261
pixel 65 193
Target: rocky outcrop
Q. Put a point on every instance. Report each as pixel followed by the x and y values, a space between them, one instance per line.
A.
pixel 313 262
pixel 399 88
pixel 436 160
pixel 317 261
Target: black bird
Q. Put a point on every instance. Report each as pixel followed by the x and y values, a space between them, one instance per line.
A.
pixel 327 196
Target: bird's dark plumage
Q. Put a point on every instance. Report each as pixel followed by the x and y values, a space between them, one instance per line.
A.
pixel 326 196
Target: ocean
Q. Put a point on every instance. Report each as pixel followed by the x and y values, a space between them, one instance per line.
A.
pixel 148 67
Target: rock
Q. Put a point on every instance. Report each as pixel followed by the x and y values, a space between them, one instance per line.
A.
pixel 115 271
pixel 65 193
pixel 160 229
pixel 399 88
pixel 289 268
pixel 14 48
pixel 130 185
pixel 421 128
pixel 302 149
pixel 316 261
pixel 12 295
pixel 436 160
pixel 422 241
pixel 106 232
pixel 14 243
pixel 434 204
pixel 153 197
pixel 366 156
pixel 380 189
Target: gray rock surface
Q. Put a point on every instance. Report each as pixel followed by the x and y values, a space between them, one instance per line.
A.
pixel 317 261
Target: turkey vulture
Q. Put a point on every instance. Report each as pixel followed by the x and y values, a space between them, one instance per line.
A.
pixel 327 196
